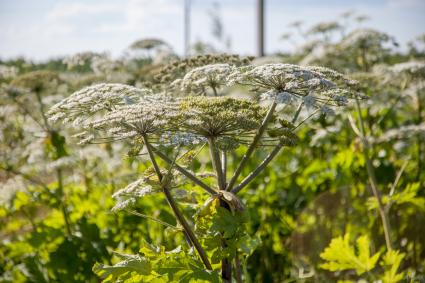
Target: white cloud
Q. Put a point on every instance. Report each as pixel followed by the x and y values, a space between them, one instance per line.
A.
pixel 68 26
pixel 66 10
pixel 72 26
pixel 135 15
pixel 406 4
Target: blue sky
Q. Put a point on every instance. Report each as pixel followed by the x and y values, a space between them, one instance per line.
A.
pixel 40 29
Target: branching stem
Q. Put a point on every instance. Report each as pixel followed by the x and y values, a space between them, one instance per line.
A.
pixel 267 160
pixel 252 146
pixel 215 158
pixel 185 172
pixel 373 181
pixel 224 165
pixel 173 204
pixel 62 202
pixel 258 170
pixel 153 219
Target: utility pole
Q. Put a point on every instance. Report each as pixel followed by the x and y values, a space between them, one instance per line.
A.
pixel 186 28
pixel 260 28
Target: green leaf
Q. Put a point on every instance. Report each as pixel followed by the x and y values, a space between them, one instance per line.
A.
pixel 341 255
pixel 132 263
pixel 391 262
pixel 156 265
pixel 248 244
pixel 407 196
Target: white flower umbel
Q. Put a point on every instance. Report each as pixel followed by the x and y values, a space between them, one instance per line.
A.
pixel 90 100
pixel 364 38
pixel 206 78
pixel 410 76
pixel 288 83
pixel 113 111
pixel 82 58
pixel 170 139
pixel 127 197
pixel 413 68
pixel 151 115
pixel 8 72
pixel 137 188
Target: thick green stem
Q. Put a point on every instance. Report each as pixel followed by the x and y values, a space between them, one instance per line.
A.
pixel 258 170
pixel 267 160
pixel 224 165
pixel 153 219
pixel 41 107
pixel 185 172
pixel 215 158
pixel 178 214
pixel 419 138
pixel 62 202
pixel 226 264
pixel 238 269
pixel 373 181
pixel 252 146
pixel 214 90
pixel 297 112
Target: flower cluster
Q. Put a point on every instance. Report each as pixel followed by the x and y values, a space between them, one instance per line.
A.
pixel 316 86
pixel 81 59
pixel 214 117
pixel 108 112
pixel 404 132
pixel 324 27
pixel 365 38
pixel 415 69
pixel 8 72
pixel 211 77
pixel 148 44
pixel 36 81
pixel 93 99
pixel 103 65
pixel 173 139
pixel 128 196
pixel 151 115
pixel 177 69
pixel 409 76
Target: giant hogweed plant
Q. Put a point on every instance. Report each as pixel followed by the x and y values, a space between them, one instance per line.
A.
pixel 178 127
pixel 47 143
pixel 406 80
pixel 38 172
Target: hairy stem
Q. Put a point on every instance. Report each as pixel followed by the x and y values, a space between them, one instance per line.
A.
pixel 179 215
pixel 215 158
pixel 297 112
pixel 267 160
pixel 238 269
pixel 224 165
pixel 226 264
pixel 41 107
pixel 62 202
pixel 185 172
pixel 419 138
pixel 259 169
pixel 214 90
pixel 373 181
pixel 153 219
pixel 252 146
